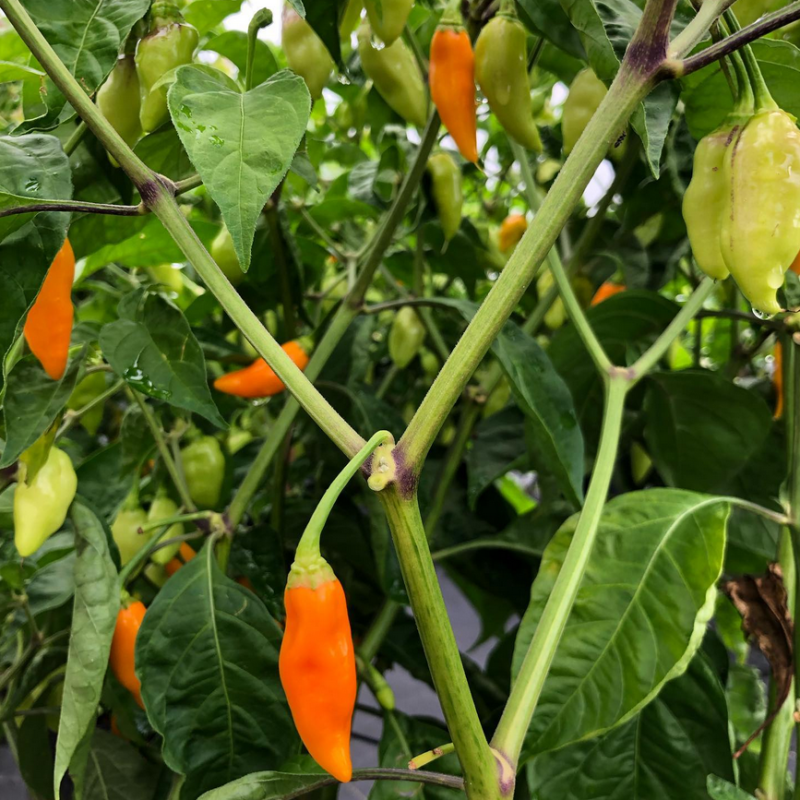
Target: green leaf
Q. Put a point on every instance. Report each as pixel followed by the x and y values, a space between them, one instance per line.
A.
pixel 233 45
pixel 665 752
pixel 32 403
pixel 323 16
pixel 701 428
pixel 11 71
pixel 719 789
pixel 621 642
pixel 241 144
pixel 269 786
pixel 548 18
pixel 207 656
pixel 87 37
pixel 103 479
pixel 52 585
pixel 116 771
pixel 207 14
pixel 94 617
pixel 157 354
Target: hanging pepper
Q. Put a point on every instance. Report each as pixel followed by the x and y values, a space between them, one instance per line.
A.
pixel 119 100
pixel 777 380
pixel 446 191
pixel 351 14
pixel 48 326
pixel 204 468
pixel 123 647
pixel 41 504
pixel 170 43
pixel 606 290
pixel 223 252
pixel 405 337
pixel 306 53
pixel 501 69
pixel 452 82
pixel 317 659
pixel 164 507
pixel 89 389
pixel 396 75
pixel 585 95
pixel 389 19
pixel 259 379
pixel 512 229
pixel 125 528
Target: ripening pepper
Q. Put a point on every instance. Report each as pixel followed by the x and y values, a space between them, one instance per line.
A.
pixel 389 20
pixel 259 379
pixel 606 290
pixel 396 76
pixel 123 648
pixel 586 92
pixel 119 100
pixel 170 43
pixel 306 53
pixel 452 82
pixel 777 380
pixel 501 69
pixel 405 337
pixel 187 553
pixel 88 390
pixel 125 528
pixel 224 253
pixel 204 468
pixel 446 191
pixel 512 229
pixel 164 507
pixel 41 505
pixel 48 326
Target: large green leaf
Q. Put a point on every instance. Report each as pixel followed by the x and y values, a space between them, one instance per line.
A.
pixel 94 616
pixel 241 144
pixel 207 14
pixel 622 641
pixel 549 19
pixel 666 751
pixel 207 656
pixel 701 428
pixel 269 786
pixel 156 352
pixel 87 36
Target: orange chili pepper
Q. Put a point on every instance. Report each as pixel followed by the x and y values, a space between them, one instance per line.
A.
pixel 187 554
pixel 452 83
pixel 318 672
pixel 259 379
pixel 48 327
pixel 123 648
pixel 777 380
pixel 606 290
pixel 512 229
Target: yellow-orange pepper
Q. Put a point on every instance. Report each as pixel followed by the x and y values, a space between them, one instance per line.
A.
pixel 512 229
pixel 123 648
pixel 606 290
pixel 259 379
pixel 48 327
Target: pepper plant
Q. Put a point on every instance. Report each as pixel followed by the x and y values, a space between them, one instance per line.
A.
pixel 560 349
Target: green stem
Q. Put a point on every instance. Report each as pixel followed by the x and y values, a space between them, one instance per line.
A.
pixel 388 380
pixel 761 94
pixel 279 254
pixel 441 650
pixel 510 733
pixel 261 19
pixel 696 30
pixel 378 631
pixel 425 314
pixel 320 231
pixel 73 416
pixel 427 757
pixel 170 521
pixel 279 480
pixel 76 138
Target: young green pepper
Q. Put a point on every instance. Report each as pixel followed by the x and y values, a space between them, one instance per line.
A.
pixel 41 505
pixel 204 468
pixel 586 92
pixel 223 252
pixel 119 100
pixel 306 53
pixel 170 43
pixel 388 18
pixel 125 528
pixel 396 75
pixel 164 507
pixel 89 389
pixel 446 191
pixel 405 337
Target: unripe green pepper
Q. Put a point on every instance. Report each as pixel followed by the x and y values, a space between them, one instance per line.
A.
pixel 119 100
pixel 430 363
pixel 501 70
pixel 204 468
pixel 41 505
pixel 125 528
pixel 168 276
pixel 164 507
pixel 170 43
pixel 498 399
pixel 90 388
pixel 556 315
pixel 350 18
pixel 446 191
pixel 641 463
pixel 306 53
pixel 406 337
pixel 223 252
pixel 389 20
pixel 585 95
pixel 396 75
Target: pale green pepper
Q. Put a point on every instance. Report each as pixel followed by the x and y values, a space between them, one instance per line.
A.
pixel 164 507
pixel 447 192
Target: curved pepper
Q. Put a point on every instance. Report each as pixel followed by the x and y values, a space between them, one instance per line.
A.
pixel 41 505
pixel 224 253
pixel 606 290
pixel 405 337
pixel 396 75
pixel 586 92
pixel 259 379
pixel 125 528
pixel 164 507
pixel 119 100
pixel 389 20
pixel 446 191
pixel 306 53
pixel 501 69
pixel 123 648
pixel 170 43
pixel 48 326
pixel 204 467
pixel 452 82
pixel 512 229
